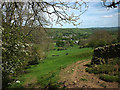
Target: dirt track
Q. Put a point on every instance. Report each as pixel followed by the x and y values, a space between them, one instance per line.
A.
pixel 74 76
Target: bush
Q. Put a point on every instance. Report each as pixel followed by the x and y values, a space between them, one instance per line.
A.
pixel 37 54
pixel 109 78
pixel 100 38
pixel 83 79
pixel 115 61
pixel 71 43
pixel 96 43
pixel 91 70
pixel 60 43
pixel 49 80
pixel 105 68
pixel 101 69
pixel 16 85
pixel 14 52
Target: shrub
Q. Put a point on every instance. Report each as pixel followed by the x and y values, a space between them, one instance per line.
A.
pixel 103 85
pixel 115 61
pixel 109 78
pixel 100 69
pixel 16 85
pixel 83 79
pixel 96 43
pixel 91 70
pixel 60 43
pixel 100 38
pixel 105 68
pixel 71 43
pixel 49 80
pixel 34 56
pixel 37 54
pixel 14 52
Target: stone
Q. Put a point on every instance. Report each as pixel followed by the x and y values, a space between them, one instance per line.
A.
pixel 75 82
pixel 99 81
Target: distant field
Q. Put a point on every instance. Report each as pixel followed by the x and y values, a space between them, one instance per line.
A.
pixel 77 33
pixel 81 30
pixel 48 71
pixel 72 30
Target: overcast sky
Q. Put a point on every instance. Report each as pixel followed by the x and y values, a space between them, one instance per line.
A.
pixel 95 16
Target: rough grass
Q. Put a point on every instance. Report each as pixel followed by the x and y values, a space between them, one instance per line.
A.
pixel 83 79
pixel 109 78
pixel 47 72
pixel 101 69
pixel 108 72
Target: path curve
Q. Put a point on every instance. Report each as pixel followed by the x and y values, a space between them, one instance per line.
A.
pixel 75 76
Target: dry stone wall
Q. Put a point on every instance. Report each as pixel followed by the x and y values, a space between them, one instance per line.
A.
pixel 102 54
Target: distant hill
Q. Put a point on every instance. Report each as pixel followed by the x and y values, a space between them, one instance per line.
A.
pixel 80 30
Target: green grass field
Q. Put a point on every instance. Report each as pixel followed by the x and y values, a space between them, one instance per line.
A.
pixel 47 72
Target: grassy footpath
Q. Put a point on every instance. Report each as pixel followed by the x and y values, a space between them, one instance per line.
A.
pixel 46 73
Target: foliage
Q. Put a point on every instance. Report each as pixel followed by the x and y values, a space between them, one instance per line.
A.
pixel 109 78
pixel 103 85
pixel 60 43
pixel 71 43
pixel 115 61
pixel 14 52
pixel 100 38
pixel 83 79
pixel 17 53
pixel 97 43
pixel 37 53
pixel 16 85
pixel 100 69
pixel 79 34
pixel 108 72
pixel 49 80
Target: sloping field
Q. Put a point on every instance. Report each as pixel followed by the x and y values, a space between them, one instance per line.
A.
pixel 47 73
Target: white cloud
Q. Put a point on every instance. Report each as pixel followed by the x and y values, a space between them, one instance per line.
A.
pixel 108 16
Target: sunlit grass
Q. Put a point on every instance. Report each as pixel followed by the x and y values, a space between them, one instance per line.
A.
pixel 48 71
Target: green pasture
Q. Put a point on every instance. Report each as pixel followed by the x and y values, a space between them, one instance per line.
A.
pixel 47 72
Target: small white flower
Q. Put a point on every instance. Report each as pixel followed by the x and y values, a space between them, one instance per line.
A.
pixel 26 53
pixel 23 46
pixel 18 44
pixel 27 45
pixel 17 81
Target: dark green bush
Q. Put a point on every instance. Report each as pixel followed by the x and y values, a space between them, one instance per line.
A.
pixel 83 79
pixel 109 78
pixel 49 80
pixel 60 43
pixel 100 69
pixel 115 61
pixel 91 70
pixel 97 43
pixel 16 85
pixel 105 68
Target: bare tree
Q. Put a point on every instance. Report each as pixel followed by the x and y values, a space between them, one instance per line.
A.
pixel 111 3
pixel 40 13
